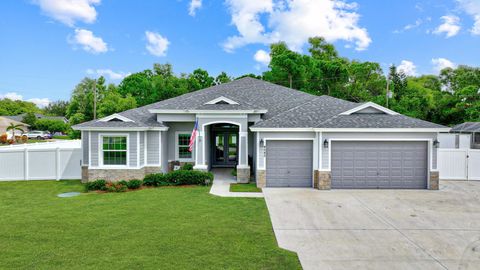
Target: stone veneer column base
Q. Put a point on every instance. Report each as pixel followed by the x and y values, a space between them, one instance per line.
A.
pixel 322 180
pixel 261 178
pixel 114 175
pixel 243 174
pixel 434 184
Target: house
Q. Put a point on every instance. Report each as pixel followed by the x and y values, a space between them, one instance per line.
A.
pixel 469 128
pixel 5 122
pixel 279 136
pixel 38 116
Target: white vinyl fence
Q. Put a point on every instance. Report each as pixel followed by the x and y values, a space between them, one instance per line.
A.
pixel 459 164
pixel 41 161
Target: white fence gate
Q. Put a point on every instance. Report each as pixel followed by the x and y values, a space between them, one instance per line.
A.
pixel 41 161
pixel 459 164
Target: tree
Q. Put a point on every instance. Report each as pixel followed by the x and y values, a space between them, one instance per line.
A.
pixel 200 79
pixel 30 119
pixel 52 125
pixel 399 82
pixel 320 49
pixel 16 107
pixel 12 127
pixel 222 78
pixel 114 102
pixel 57 108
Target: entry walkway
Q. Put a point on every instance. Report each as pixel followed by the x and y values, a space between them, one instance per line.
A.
pixel 221 185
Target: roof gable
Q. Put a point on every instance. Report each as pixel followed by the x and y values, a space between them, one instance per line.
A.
pixel 115 118
pixel 221 100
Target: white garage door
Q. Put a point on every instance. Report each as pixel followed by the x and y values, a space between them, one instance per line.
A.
pixel 379 165
pixel 289 163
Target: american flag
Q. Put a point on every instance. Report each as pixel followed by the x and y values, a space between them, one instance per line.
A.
pixel 193 136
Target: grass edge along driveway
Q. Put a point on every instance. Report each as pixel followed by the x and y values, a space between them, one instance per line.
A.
pixel 181 228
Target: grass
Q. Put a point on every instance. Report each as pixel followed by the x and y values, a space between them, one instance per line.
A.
pixel 158 228
pixel 250 187
pixel 62 137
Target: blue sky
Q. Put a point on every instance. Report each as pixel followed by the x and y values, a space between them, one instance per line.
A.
pixel 48 46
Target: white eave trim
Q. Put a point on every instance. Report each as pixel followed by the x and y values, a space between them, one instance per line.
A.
pixel 121 128
pixel 220 99
pixel 370 105
pixel 207 111
pixel 349 129
pixel 115 116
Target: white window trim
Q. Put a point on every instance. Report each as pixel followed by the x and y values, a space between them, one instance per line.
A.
pixel 117 116
pixel 220 99
pixel 100 150
pixel 176 147
pixel 370 105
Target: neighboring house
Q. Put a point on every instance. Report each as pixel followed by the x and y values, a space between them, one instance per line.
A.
pixel 285 137
pixel 5 122
pixel 38 116
pixel 470 128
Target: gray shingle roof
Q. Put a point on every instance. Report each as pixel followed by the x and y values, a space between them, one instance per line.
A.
pixel 286 108
pixel 467 127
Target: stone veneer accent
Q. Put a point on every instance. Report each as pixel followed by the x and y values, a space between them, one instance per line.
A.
pixel 117 174
pixel 322 180
pixel 243 175
pixel 261 178
pixel 433 184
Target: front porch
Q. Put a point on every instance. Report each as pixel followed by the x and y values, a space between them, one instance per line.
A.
pixel 223 144
pixel 221 185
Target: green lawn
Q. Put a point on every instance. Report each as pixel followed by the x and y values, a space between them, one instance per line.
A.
pixel 162 228
pixel 250 187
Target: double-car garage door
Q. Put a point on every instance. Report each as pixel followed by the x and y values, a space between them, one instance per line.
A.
pixel 354 164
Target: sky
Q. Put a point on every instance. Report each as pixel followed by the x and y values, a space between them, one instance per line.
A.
pixel 48 46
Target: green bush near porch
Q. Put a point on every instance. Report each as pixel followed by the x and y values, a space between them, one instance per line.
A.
pixel 157 228
pixel 177 178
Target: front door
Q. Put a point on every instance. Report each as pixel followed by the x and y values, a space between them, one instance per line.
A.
pixel 225 148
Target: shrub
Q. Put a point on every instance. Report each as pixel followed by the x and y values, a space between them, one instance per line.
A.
pixel 182 177
pixel 134 184
pixel 154 179
pixel 187 167
pixel 3 138
pixel 96 185
pixel 116 187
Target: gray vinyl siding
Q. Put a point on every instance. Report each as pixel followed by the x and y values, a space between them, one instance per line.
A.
pixel 133 145
pixel 94 148
pixel 153 147
pixel 164 148
pixel 85 147
pixel 142 148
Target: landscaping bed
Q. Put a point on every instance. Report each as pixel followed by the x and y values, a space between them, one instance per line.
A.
pixel 153 228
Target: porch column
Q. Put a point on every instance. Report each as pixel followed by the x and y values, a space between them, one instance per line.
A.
pixel 200 150
pixel 243 169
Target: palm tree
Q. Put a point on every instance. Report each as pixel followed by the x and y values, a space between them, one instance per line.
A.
pixel 14 128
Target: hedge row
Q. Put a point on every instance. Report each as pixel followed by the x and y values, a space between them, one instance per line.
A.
pixel 185 176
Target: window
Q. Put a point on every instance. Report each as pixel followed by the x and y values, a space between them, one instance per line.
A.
pixel 114 150
pixel 183 139
pixel 476 138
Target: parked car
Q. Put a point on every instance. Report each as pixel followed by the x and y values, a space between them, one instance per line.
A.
pixel 38 134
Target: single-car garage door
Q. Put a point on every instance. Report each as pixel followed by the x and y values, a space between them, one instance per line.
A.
pixel 289 163
pixel 379 164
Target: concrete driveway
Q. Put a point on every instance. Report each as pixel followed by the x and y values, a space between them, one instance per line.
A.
pixel 380 229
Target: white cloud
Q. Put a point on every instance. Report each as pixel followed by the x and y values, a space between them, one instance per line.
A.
pixel 441 63
pixel 408 68
pixel 69 11
pixel 112 75
pixel 156 44
pixel 294 22
pixel 411 26
pixel 262 57
pixel 472 7
pixel 450 26
pixel 40 102
pixel 88 41
pixel 194 6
